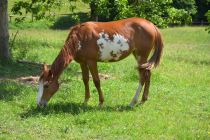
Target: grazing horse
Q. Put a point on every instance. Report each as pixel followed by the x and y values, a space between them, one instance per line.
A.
pixel 92 42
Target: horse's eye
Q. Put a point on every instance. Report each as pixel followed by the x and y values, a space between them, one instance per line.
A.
pixel 46 86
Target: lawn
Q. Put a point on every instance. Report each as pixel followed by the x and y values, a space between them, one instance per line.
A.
pixel 178 105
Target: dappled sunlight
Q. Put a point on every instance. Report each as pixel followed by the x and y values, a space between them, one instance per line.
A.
pixel 14 70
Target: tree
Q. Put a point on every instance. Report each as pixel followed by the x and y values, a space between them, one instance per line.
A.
pixel 160 12
pixel 202 7
pixel 108 10
pixel 187 5
pixel 208 18
pixel 37 8
pixel 4 34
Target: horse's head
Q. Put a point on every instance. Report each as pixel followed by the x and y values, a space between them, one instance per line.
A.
pixel 47 87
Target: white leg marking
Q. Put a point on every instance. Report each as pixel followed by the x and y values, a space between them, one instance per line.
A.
pixel 136 96
pixel 40 91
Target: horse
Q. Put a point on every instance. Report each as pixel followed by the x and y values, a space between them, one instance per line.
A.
pixel 91 42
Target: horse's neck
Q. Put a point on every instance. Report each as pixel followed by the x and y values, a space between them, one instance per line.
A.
pixel 65 56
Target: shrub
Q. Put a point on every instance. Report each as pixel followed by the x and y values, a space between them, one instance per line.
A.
pixel 208 18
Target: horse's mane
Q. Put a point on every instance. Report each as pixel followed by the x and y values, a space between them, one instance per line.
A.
pixel 67 53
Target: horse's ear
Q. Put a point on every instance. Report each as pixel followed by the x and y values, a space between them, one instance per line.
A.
pixel 50 74
pixel 45 70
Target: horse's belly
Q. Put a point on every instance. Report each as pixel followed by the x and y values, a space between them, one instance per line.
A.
pixel 112 49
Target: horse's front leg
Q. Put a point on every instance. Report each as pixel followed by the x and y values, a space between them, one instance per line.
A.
pixel 94 71
pixel 85 78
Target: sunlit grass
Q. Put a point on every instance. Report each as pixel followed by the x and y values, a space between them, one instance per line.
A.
pixel 178 105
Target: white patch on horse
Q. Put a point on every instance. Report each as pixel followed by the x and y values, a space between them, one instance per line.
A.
pixel 136 96
pixel 111 49
pixel 40 91
pixel 79 45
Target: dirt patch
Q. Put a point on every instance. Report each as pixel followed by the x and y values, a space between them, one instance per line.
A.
pixel 29 79
pixel 33 80
pixel 103 76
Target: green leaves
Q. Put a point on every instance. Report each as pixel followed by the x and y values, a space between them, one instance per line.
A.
pixel 160 12
pixel 37 9
pixel 179 16
pixel 208 18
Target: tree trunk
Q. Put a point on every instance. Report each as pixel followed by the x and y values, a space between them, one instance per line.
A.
pixel 4 34
pixel 93 14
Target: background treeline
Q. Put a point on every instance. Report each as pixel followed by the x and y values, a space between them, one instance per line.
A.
pixel 160 12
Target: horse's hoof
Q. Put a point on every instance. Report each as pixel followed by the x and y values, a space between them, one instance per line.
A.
pixel 141 102
pixel 132 103
pixel 131 106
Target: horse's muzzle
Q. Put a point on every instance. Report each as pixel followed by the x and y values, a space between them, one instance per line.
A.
pixel 42 103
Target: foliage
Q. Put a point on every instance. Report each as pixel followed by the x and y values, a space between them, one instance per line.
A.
pixel 154 10
pixel 111 9
pixel 37 8
pixel 202 8
pixel 163 13
pixel 208 18
pixel 160 12
pixel 123 9
pixel 40 9
pixel 178 16
pixel 187 5
pixel 186 9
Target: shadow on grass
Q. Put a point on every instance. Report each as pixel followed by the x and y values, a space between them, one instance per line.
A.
pixel 12 69
pixel 9 72
pixel 67 21
pixel 9 90
pixel 71 108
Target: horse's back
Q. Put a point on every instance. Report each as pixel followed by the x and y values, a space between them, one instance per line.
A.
pixel 127 27
pixel 115 40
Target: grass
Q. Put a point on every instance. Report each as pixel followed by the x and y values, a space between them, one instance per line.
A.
pixel 178 105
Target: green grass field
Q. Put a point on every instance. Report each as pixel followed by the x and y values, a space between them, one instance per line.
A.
pixel 178 105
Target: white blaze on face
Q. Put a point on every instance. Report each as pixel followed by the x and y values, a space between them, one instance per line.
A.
pixel 111 49
pixel 40 91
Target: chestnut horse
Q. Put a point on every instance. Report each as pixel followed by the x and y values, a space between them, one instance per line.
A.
pixel 92 42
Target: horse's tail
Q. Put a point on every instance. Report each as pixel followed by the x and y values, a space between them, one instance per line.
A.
pixel 154 61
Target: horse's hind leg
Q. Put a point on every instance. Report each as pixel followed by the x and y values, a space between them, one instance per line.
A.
pixel 85 78
pixel 140 60
pixel 147 75
pixel 94 71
